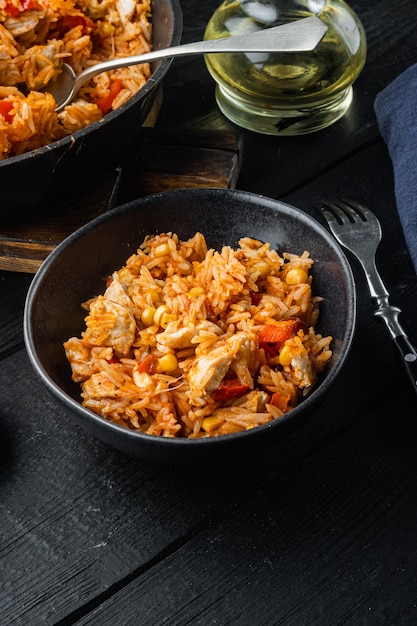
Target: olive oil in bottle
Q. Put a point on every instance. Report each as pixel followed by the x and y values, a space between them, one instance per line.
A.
pixel 286 93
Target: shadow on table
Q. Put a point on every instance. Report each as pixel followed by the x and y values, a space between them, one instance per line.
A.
pixel 7 449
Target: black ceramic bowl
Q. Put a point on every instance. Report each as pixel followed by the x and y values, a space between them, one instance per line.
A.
pixel 55 172
pixel 74 272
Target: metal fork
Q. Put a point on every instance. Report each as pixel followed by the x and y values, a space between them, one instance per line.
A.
pixel 358 230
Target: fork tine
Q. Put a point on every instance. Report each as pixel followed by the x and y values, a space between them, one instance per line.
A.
pixel 368 216
pixel 332 212
pixel 354 210
pixel 343 209
pixel 336 214
pixel 351 229
pixel 353 214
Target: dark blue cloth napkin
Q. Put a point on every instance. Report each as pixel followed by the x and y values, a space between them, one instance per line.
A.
pixel 396 111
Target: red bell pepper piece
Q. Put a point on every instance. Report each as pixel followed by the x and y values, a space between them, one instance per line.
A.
pixel 71 21
pixel 280 400
pixel 280 331
pixel 229 389
pixel 5 107
pixel 147 364
pixel 106 102
pixel 12 10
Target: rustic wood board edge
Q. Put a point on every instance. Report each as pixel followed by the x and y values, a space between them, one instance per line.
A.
pixel 168 159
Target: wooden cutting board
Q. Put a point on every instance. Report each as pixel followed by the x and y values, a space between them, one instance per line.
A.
pixel 166 159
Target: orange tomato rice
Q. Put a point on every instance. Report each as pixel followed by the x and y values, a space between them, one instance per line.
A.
pixel 192 342
pixel 37 37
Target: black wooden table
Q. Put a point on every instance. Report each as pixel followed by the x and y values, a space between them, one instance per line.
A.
pixel 322 528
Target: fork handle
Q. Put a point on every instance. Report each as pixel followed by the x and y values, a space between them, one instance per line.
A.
pixel 405 349
pixel 408 357
pixel 376 285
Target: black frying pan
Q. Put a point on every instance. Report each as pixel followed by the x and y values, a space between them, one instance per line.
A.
pixel 55 172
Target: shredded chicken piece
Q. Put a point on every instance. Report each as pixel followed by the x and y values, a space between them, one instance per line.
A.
pixel 117 292
pixel 24 22
pixel 78 355
pixel 182 338
pixel 209 370
pixel 110 324
pixel 126 9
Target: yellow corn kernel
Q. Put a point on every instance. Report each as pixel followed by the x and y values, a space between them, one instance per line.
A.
pixel 161 250
pixel 167 363
pixel 147 316
pixel 159 313
pixel 166 318
pixel 210 423
pixel 296 276
pixel 107 28
pixel 195 292
pixel 285 355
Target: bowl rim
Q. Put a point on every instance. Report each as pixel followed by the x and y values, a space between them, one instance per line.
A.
pixel 155 79
pixel 308 402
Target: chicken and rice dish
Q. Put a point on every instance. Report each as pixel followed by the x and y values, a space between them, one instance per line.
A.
pixel 192 342
pixel 37 37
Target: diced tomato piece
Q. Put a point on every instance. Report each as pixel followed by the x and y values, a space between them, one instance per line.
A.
pixel 113 360
pixel 106 102
pixel 279 332
pixel 229 389
pixel 5 107
pixel 71 21
pixel 148 364
pixel 12 10
pixel 280 400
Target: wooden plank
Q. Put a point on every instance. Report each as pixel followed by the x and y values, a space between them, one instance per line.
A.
pixel 165 160
pixel 319 543
pixel 117 523
pixel 23 256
